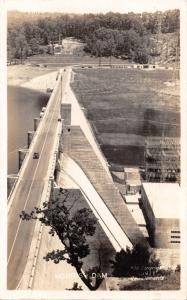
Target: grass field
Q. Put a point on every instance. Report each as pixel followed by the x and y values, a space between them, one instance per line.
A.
pixel 62 60
pixel 125 106
pixel 170 281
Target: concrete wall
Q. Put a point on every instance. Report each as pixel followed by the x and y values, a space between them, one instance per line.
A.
pixel 30 136
pixel 148 215
pixel 66 139
pixel 78 118
pixel 161 231
pixel 22 153
pixel 66 113
pixel 11 179
pixel 36 123
pixel 165 235
pixel 116 234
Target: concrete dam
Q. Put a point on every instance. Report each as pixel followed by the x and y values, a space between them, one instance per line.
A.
pixel 70 158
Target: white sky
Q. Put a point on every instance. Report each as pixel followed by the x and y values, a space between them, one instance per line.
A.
pixel 94 6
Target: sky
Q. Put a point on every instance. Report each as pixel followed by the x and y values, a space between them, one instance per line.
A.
pixel 93 6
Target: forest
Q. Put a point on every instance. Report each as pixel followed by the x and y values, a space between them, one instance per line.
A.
pixel 127 36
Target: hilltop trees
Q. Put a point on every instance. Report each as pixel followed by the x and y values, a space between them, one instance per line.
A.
pixel 102 43
pixel 111 34
pixel 108 42
pixel 72 229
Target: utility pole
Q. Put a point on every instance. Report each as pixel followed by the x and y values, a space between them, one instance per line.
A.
pixel 59 39
pixel 61 87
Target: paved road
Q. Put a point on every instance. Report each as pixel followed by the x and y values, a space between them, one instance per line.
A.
pixel 29 191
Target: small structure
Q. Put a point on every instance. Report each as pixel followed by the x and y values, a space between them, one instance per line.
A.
pixel 55 48
pixel 160 203
pixel 132 180
pixel 58 49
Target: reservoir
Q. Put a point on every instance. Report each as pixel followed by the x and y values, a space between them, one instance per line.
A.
pixel 23 105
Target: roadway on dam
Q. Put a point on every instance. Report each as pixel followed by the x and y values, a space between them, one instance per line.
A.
pixel 29 188
pixel 82 157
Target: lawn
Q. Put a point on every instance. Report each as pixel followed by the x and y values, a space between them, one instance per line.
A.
pixel 168 282
pixel 125 106
pixel 62 60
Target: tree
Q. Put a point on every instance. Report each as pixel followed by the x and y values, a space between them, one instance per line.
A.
pixel 75 287
pixel 34 45
pixel 99 49
pixel 21 46
pixel 138 262
pixel 72 229
pixel 102 43
pixel 117 34
pixel 141 55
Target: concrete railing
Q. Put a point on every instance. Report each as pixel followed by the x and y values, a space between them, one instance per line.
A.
pixel 125 66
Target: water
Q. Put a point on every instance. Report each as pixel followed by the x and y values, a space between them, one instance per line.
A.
pixel 23 106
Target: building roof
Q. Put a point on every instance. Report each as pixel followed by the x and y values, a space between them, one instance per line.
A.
pixel 164 199
pixel 132 199
pixel 137 214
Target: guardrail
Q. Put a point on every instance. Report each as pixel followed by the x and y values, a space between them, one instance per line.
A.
pixel 125 66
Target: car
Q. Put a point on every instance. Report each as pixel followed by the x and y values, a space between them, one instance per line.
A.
pixel 59 119
pixel 49 90
pixel 36 155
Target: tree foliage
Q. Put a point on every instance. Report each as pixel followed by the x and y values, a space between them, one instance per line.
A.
pixel 138 262
pixel 110 34
pixel 72 229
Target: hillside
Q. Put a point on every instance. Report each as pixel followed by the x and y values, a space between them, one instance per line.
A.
pixel 164 48
pixel 141 38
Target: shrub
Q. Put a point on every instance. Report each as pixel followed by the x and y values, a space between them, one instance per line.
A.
pixel 137 262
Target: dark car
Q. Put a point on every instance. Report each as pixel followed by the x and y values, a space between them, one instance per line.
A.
pixel 49 90
pixel 36 155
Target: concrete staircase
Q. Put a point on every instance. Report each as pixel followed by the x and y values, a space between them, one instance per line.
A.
pixel 83 154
